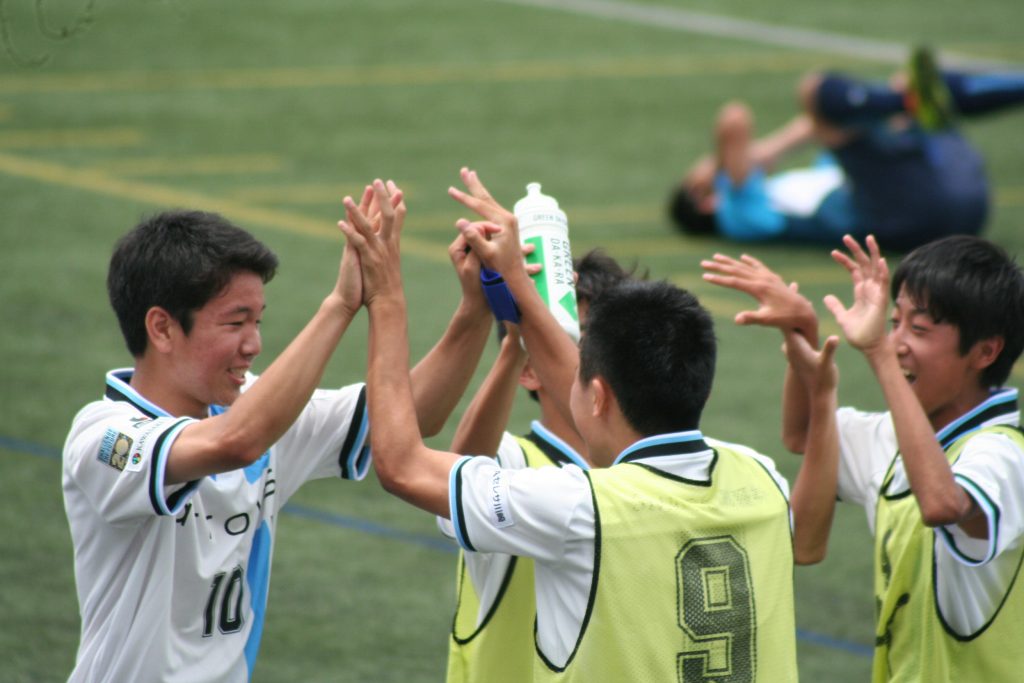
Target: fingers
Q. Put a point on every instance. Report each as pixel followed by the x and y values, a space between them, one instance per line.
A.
pixel 834 306
pixel 356 218
pixel 747 318
pixel 366 203
pixel 476 238
pixel 844 260
pixel 721 263
pixel 458 248
pixel 762 316
pixel 753 262
pixel 383 200
pixel 353 237
pixel 828 350
pixel 469 201
pixel 472 182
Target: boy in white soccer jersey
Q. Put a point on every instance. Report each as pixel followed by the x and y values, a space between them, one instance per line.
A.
pixel 668 560
pixel 172 498
pixel 941 473
pixel 492 632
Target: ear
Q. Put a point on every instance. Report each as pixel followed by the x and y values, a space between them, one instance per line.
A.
pixel 986 351
pixel 603 399
pixel 528 378
pixel 159 329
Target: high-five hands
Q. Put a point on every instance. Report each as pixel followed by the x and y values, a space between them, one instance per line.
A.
pixel 373 228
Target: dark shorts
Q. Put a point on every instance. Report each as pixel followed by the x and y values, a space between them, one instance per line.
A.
pixel 910 186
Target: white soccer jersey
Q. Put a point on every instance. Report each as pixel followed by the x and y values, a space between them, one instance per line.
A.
pixel 548 514
pixel 172 579
pixel 971 574
pixel 488 571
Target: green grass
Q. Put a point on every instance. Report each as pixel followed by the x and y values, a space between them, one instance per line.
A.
pixel 270 112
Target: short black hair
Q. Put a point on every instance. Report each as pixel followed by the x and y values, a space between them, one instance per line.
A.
pixel 687 216
pixel 597 271
pixel 655 346
pixel 974 285
pixel 178 260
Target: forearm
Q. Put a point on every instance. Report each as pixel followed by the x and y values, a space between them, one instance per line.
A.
pixel 404 465
pixel 553 354
pixel 263 413
pixel 767 151
pixel 441 377
pixel 941 500
pixel 814 492
pixel 795 413
pixel 484 421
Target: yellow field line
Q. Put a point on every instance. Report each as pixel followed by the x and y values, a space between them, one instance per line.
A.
pixel 309 193
pixel 101 183
pixel 312 193
pixel 195 165
pixel 403 74
pixel 70 137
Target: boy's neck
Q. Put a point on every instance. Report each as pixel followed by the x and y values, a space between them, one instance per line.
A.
pixel 958 407
pixel 553 420
pixel 152 384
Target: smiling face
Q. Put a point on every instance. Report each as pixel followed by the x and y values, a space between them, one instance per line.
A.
pixel 946 382
pixel 209 363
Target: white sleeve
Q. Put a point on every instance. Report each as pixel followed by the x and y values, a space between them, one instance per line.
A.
pixel 330 438
pixel 510 456
pixel 867 445
pixel 536 513
pixel 991 470
pixel 117 460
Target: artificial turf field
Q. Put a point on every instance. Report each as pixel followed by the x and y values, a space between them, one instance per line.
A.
pixel 271 112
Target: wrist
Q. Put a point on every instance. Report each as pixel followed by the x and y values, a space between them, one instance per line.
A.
pixel 385 303
pixel 473 303
pixel 518 280
pixel 335 304
pixel 881 356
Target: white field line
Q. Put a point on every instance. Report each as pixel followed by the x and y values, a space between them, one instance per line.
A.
pixel 754 31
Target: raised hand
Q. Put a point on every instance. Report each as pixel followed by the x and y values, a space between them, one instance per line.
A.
pixel 816 370
pixel 480 201
pixel 467 268
pixel 864 323
pixel 779 305
pixel 376 238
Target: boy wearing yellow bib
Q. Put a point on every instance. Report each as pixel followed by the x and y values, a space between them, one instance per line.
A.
pixel 492 631
pixel 674 561
pixel 941 473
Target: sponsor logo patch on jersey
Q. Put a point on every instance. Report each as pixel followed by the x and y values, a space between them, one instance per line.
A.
pixel 115 448
pixel 501 513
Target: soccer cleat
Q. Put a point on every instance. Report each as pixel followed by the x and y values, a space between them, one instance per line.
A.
pixel 927 98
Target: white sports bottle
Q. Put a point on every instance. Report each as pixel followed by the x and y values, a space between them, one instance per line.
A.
pixel 544 225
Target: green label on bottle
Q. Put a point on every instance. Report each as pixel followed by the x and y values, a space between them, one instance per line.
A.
pixel 568 302
pixel 538 257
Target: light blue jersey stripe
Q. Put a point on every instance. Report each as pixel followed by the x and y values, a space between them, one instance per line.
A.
pixel 549 436
pixel 258 577
pixel 453 502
